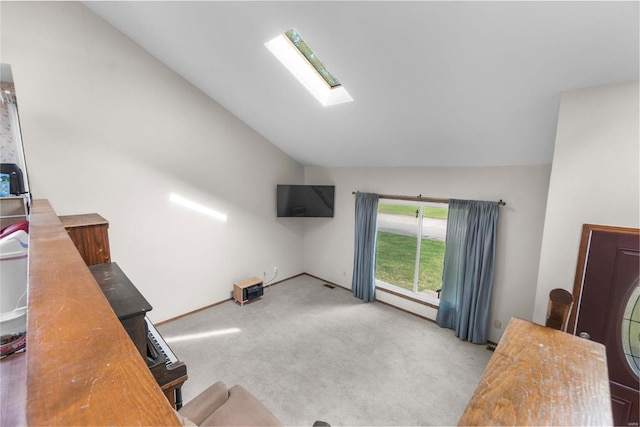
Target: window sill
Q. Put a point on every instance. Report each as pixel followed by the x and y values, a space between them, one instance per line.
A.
pixel 410 295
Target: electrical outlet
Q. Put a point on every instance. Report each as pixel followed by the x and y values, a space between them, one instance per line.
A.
pixel 275 270
pixel 497 324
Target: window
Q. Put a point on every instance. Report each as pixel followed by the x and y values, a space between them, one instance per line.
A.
pixel 306 51
pixel 296 55
pixel 631 330
pixel 410 247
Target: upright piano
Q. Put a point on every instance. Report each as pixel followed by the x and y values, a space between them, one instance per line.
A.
pixel 131 307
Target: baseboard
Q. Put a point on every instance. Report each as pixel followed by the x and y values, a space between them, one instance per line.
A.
pixel 218 303
pixel 322 280
pixel 284 280
pixel 382 302
pixel 406 311
pixel 399 295
pixel 490 344
pixel 192 312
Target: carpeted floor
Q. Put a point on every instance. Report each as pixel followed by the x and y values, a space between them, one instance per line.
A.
pixel 311 353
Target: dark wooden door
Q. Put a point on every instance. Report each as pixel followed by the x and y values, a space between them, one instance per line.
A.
pixel 606 282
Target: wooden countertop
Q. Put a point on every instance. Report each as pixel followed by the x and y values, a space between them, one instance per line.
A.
pixel 541 376
pixel 82 368
pixel 82 220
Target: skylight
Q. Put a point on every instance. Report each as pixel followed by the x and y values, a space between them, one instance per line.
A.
pixel 302 62
pixel 306 51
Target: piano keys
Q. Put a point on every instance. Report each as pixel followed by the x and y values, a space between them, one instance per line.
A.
pixel 169 372
pixel 131 307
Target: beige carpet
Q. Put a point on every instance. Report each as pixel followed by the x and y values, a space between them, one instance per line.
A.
pixel 313 353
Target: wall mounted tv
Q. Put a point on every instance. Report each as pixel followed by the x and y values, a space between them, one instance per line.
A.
pixel 310 201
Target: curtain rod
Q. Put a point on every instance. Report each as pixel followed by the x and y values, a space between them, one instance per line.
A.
pixel 419 198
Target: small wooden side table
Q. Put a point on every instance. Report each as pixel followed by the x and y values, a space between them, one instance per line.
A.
pixel 243 284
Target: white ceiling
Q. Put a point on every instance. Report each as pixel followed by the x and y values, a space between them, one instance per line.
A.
pixel 434 83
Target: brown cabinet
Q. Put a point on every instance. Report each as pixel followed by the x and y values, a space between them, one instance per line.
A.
pixel 89 232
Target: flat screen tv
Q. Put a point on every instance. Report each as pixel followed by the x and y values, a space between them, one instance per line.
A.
pixel 310 201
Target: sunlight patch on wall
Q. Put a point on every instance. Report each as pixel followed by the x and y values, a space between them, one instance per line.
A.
pixel 197 207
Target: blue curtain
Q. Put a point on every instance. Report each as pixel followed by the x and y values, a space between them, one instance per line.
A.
pixel 364 254
pixel 467 277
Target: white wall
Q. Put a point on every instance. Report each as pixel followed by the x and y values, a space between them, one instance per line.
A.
pixel 594 180
pixel 109 129
pixel 328 245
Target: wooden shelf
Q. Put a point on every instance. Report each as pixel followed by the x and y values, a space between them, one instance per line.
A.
pixel 81 366
pixel 13 209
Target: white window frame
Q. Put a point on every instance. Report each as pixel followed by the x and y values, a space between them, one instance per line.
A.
pixel 412 294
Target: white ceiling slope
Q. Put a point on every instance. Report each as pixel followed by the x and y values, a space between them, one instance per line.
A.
pixel 434 83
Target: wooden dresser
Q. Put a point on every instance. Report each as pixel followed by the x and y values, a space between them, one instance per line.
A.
pixel 90 233
pixel 541 376
pixel 81 366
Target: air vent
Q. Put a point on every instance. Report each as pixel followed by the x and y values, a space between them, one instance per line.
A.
pixel 326 285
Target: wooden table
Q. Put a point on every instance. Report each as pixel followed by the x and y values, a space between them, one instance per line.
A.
pixel 81 366
pixel 541 376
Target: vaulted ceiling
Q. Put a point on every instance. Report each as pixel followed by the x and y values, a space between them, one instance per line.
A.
pixel 434 83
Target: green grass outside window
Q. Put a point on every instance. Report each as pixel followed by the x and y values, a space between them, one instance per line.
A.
pixel 395 261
